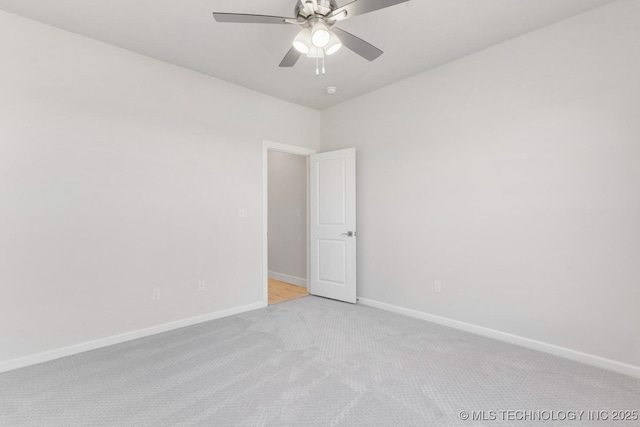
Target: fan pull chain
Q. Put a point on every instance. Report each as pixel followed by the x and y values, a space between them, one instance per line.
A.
pixel 318 63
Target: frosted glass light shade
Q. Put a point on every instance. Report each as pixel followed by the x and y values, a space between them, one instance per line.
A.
pixel 334 44
pixel 315 52
pixel 302 42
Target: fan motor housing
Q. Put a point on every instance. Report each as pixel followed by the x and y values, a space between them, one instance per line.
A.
pixel 324 7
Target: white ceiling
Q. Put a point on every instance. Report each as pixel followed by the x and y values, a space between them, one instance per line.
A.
pixel 415 36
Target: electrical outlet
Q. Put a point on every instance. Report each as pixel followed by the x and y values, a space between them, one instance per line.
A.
pixel 156 293
pixel 243 213
pixel 437 286
pixel 201 285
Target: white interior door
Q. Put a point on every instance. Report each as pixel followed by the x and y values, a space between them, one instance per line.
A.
pixel 332 206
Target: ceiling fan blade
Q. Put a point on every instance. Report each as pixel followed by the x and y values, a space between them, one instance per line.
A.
pixel 361 7
pixel 290 58
pixel 356 44
pixel 244 18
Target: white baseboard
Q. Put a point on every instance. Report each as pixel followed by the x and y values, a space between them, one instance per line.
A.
pixel 577 356
pixel 120 338
pixel 299 281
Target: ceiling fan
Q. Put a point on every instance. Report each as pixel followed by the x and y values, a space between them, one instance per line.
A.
pixel 318 36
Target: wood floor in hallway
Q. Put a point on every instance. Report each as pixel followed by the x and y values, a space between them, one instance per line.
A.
pixel 281 291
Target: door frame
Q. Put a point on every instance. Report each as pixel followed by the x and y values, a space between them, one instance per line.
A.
pixel 283 148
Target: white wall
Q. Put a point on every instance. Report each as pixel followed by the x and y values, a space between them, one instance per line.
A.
pixel 513 177
pixel 287 217
pixel 120 174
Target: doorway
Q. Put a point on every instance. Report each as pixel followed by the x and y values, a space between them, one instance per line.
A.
pixel 286 222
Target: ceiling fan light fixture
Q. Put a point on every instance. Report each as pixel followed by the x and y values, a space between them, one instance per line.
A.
pixel 317 37
pixel 302 42
pixel 320 35
pixel 315 52
pixel 334 44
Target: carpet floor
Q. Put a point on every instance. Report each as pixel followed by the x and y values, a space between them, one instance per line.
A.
pixel 314 362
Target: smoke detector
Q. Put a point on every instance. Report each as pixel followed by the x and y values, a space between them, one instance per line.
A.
pixel 331 90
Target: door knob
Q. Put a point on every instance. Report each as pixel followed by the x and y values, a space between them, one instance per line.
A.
pixel 349 234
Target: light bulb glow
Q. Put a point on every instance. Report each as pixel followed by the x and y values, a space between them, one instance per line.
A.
pixel 320 36
pixel 300 47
